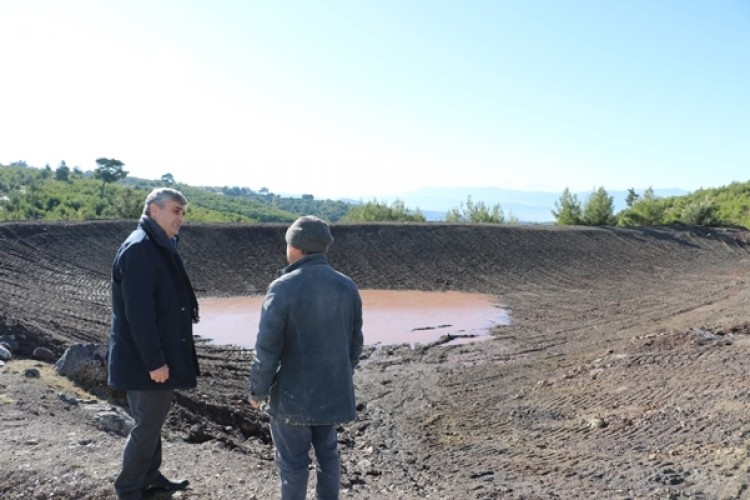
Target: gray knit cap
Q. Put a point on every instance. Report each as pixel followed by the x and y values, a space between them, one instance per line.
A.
pixel 310 234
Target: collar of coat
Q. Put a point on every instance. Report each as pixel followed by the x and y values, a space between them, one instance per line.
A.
pixel 159 236
pixel 308 260
pixel 156 233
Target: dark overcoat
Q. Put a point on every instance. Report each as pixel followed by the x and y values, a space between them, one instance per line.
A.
pixel 153 310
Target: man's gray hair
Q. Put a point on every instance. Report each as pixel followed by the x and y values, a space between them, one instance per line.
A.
pixel 160 195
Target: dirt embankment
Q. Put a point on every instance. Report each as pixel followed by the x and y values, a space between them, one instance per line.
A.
pixel 622 373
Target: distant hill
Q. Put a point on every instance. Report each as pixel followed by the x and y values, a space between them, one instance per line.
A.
pixel 527 206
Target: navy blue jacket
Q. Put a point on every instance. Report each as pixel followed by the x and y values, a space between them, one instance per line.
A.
pixel 153 310
pixel 309 342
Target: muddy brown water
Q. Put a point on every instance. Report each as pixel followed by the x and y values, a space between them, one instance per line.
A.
pixel 390 317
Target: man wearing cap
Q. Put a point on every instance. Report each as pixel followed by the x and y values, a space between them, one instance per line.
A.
pixel 308 344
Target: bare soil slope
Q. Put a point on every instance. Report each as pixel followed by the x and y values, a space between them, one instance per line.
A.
pixel 623 374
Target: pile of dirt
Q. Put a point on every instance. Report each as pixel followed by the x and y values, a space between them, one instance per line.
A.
pixel 623 373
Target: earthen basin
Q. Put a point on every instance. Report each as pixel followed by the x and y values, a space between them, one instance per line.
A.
pixel 390 317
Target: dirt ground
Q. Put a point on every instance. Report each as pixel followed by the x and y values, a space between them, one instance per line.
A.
pixel 624 373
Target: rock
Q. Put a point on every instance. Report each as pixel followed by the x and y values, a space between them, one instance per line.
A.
pixel 31 373
pixel 5 354
pixel 114 421
pixel 705 337
pixel 43 354
pixel 597 422
pixel 71 400
pixel 199 433
pixel 9 342
pixel 364 465
pixel 84 363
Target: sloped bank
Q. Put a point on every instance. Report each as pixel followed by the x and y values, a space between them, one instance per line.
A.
pixel 54 277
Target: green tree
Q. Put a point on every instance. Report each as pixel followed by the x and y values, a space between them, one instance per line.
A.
pixel 568 211
pixel 109 171
pixel 62 172
pixel 599 209
pixel 376 211
pixel 699 212
pixel 649 210
pixel 128 204
pixel 631 198
pixel 168 180
pixel 476 212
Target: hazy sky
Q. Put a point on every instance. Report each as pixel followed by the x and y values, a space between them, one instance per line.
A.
pixel 363 98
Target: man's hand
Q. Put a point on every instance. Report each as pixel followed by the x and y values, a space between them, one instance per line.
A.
pixel 160 375
pixel 256 404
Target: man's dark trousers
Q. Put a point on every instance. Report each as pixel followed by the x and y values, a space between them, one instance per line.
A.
pixel 141 457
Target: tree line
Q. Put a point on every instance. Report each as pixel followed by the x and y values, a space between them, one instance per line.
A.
pixel 107 192
pixel 28 193
pixel 723 206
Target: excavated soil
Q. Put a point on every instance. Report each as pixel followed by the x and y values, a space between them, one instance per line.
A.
pixel 624 372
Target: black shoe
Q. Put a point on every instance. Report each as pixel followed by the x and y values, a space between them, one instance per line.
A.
pixel 164 484
pixel 130 496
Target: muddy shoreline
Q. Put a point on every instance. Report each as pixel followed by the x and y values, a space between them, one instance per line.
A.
pixel 622 375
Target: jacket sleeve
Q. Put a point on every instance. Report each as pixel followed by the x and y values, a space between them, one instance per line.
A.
pixel 138 284
pixel 269 344
pixel 355 349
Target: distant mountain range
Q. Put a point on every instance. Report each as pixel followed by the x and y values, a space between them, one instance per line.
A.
pixel 527 206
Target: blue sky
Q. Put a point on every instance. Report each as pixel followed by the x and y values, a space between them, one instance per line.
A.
pixel 364 99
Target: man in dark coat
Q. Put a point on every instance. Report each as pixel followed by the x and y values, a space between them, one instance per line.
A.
pixel 151 348
pixel 308 344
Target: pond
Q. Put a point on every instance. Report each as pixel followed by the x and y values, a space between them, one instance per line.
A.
pixel 390 317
